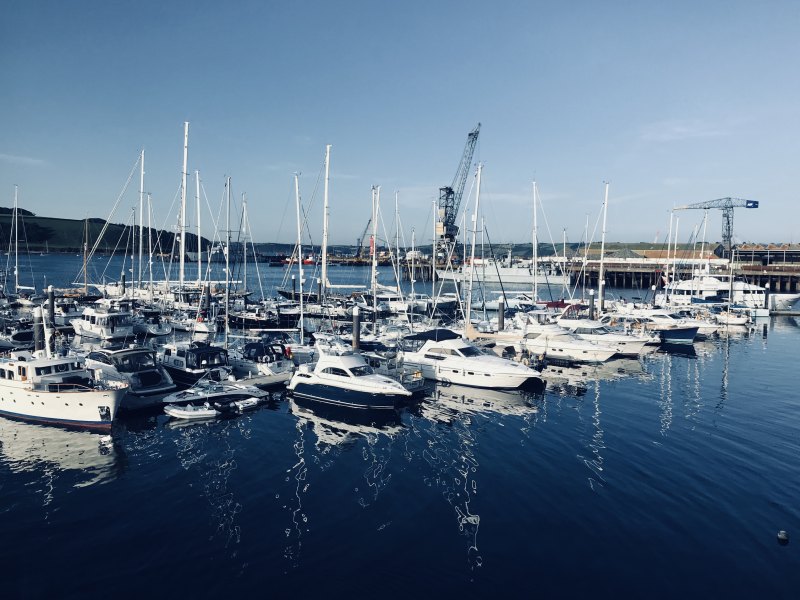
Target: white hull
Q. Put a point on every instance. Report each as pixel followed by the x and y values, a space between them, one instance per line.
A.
pixel 85 408
pixel 506 275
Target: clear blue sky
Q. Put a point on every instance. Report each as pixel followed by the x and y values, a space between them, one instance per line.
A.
pixel 672 102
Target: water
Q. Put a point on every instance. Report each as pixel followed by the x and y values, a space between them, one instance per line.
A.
pixel 671 478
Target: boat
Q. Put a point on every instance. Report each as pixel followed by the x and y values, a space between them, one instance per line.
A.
pixel 191 411
pixel 262 362
pixel 149 322
pixel 104 321
pixel 449 358
pixel 626 344
pixel 705 288
pixel 57 390
pixel 137 365
pixel 188 362
pixel 219 394
pixel 343 377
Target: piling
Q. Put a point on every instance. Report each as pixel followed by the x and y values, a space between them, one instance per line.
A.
pixel 38 329
pixel 356 328
pixel 501 313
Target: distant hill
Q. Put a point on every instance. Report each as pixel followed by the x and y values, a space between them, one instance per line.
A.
pixel 67 235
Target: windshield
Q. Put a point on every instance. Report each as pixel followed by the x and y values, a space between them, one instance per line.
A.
pixel 469 351
pixel 361 371
pixel 131 363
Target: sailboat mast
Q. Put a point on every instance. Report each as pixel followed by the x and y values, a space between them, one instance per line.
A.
pixel 468 310
pixel 601 279
pixel 227 260
pixel 199 243
pixel 324 286
pixel 141 220
pixel 535 242
pixel 373 247
pixel 85 251
pixel 183 207
pixel 243 237
pixel 16 242
pixel 299 249
pixel 150 243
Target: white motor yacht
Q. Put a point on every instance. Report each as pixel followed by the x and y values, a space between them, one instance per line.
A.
pixel 462 363
pixel 627 344
pixel 57 390
pixel 104 321
pixel 344 378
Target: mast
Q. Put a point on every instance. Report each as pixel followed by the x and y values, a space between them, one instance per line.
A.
pixel 666 266
pixel 16 242
pixel 324 273
pixel 199 243
pixel 413 280
pixel 299 250
pixel 373 247
pixel 675 251
pixel 601 281
pixel 183 207
pixel 468 310
pixel 227 260
pixel 150 243
pixel 243 237
pixel 85 251
pixel 535 242
pixel 141 220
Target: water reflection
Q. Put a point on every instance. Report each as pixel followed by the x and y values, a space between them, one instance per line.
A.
pixel 450 453
pixel 484 400
pixel 208 449
pixel 52 453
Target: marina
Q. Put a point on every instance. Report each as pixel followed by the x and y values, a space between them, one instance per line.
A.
pixel 664 454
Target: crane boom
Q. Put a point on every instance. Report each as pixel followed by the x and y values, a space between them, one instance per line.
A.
pixel 726 205
pixel 450 196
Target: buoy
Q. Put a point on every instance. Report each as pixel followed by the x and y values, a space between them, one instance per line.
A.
pixel 783 537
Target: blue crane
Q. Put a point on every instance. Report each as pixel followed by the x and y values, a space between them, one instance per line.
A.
pixel 450 196
pixel 726 205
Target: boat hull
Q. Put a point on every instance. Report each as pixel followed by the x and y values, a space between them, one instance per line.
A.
pixel 339 396
pixel 84 410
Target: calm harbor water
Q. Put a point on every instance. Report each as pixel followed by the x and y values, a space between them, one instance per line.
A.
pixel 664 477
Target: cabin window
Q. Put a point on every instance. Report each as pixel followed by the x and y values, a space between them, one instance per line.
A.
pixel 44 370
pixel 335 371
pixel 470 351
pixel 361 371
pixel 167 352
pixel 434 356
pixel 61 367
pixel 22 371
pixel 93 319
pixel 2 373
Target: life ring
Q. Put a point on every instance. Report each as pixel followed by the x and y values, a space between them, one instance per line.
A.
pixel 200 319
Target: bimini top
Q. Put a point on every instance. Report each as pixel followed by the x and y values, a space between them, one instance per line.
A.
pixel 435 335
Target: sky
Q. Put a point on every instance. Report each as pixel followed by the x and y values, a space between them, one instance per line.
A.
pixel 671 103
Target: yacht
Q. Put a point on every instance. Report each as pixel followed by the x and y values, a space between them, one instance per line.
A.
pixel 150 322
pixel 555 342
pixel 217 394
pixel 57 390
pixel 137 365
pixel 104 321
pixel 627 344
pixel 344 378
pixel 188 362
pixel 262 362
pixel 460 362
